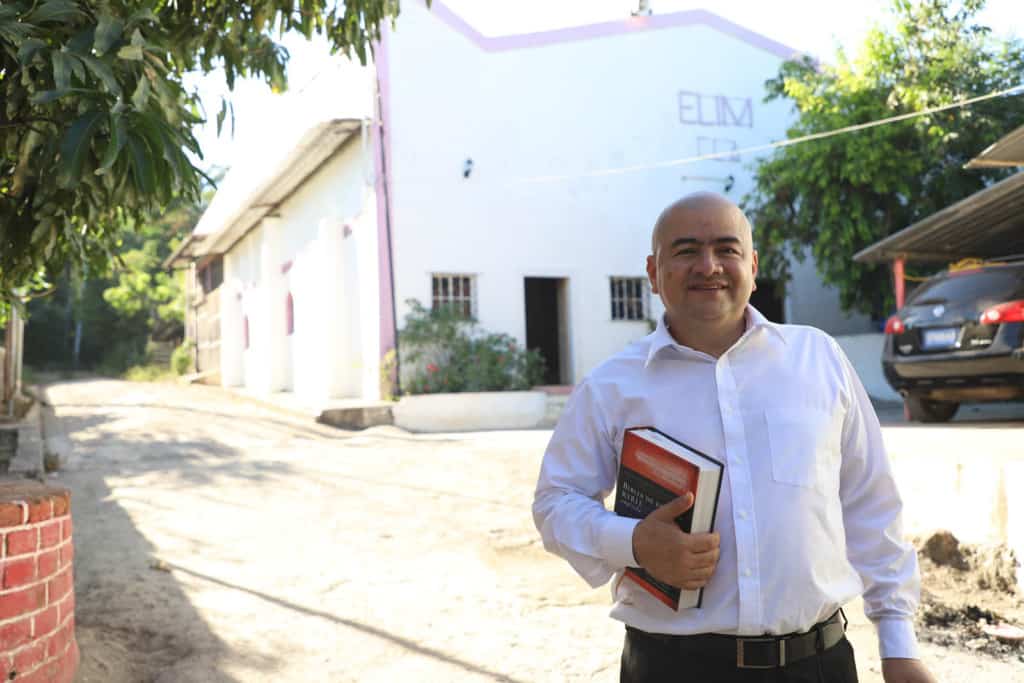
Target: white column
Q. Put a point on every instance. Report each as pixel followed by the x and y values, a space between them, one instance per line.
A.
pixel 336 305
pixel 268 337
pixel 232 364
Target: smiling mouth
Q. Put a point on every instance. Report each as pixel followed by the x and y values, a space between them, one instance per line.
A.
pixel 711 287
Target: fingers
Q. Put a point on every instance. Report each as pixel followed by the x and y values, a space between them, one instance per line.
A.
pixel 699 543
pixel 672 509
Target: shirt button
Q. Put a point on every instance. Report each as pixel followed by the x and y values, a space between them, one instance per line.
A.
pixel 746 572
pixel 743 514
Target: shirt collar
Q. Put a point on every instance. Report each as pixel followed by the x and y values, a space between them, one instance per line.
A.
pixel 661 337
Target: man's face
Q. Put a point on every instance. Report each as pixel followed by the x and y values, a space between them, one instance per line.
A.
pixel 703 265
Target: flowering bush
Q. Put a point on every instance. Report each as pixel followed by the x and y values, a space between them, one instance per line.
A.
pixel 442 351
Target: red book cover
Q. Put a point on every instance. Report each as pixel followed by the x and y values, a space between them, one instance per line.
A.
pixel 655 469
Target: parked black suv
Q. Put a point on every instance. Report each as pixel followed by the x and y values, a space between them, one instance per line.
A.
pixel 959 338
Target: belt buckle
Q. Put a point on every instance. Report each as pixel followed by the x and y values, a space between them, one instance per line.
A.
pixel 780 650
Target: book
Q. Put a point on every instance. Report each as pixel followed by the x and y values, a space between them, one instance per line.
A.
pixel 655 469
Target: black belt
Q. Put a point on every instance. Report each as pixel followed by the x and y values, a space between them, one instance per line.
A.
pixel 760 652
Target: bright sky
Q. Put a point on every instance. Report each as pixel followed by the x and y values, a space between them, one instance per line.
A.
pixel 816 27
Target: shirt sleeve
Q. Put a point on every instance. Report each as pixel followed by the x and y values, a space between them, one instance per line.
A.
pixel 886 562
pixel 577 474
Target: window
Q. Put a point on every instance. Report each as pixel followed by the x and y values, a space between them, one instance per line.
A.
pixel 455 291
pixel 289 315
pixel 211 275
pixel 629 298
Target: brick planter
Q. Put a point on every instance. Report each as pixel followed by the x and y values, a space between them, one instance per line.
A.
pixel 37 596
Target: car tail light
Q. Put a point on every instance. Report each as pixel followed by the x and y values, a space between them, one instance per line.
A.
pixel 1010 312
pixel 894 325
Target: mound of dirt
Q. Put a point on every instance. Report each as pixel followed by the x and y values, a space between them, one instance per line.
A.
pixel 965 591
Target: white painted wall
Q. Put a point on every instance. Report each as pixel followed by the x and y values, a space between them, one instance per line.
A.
pixel 865 354
pixel 559 110
pixel 811 302
pixel 320 246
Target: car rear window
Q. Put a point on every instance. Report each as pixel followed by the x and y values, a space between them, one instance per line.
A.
pixel 995 283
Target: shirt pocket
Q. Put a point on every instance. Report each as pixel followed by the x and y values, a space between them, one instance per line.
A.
pixel 803 443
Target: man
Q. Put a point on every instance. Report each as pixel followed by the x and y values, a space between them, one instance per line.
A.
pixel 808 515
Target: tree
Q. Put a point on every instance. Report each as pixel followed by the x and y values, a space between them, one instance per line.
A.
pixel 143 288
pixel 842 193
pixel 96 124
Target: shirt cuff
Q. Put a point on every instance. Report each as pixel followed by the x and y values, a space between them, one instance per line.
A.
pixel 896 639
pixel 616 541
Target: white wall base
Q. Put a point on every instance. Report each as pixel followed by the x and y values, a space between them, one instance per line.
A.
pixel 469 412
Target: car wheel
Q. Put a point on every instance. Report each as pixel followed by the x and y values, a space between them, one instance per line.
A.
pixel 925 410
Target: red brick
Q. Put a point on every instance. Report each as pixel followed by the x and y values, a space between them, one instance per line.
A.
pixel 7 667
pixel 48 563
pixel 61 504
pixel 11 514
pixel 56 643
pixel 15 633
pixel 21 542
pixel 49 535
pixel 65 529
pixel 19 602
pixel 40 510
pixel 67 607
pixel 30 657
pixel 45 622
pixel 19 572
pixel 67 554
pixel 60 585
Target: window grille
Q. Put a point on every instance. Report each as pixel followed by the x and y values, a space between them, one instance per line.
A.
pixel 456 292
pixel 629 298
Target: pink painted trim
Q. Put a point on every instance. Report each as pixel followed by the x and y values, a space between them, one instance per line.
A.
pixel 608 29
pixel 286 266
pixel 385 202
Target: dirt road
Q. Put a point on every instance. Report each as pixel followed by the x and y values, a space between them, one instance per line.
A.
pixel 220 541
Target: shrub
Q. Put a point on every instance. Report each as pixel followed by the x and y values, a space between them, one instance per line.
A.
pixel 441 351
pixel 181 358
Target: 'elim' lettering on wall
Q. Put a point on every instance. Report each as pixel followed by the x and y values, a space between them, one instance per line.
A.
pixel 715 110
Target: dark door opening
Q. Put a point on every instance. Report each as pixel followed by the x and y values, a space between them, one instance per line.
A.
pixel 768 299
pixel 544 327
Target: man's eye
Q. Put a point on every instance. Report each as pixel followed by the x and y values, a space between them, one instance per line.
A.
pixel 686 251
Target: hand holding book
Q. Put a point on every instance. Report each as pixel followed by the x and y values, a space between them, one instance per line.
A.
pixel 671 555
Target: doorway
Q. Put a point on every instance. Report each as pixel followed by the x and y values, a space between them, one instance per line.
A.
pixel 546 325
pixel 769 299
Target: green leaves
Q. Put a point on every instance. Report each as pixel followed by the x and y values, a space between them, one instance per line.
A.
pixel 837 195
pixel 56 11
pixel 108 32
pixel 75 147
pixel 100 88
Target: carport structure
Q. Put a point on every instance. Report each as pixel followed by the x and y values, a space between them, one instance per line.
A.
pixel 988 224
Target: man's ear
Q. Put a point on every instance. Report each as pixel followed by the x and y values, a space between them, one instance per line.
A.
pixel 652 273
pixel 754 259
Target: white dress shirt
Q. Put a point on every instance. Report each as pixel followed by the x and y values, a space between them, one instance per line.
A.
pixel 809 514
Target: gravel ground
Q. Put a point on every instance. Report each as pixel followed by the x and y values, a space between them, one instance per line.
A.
pixel 218 540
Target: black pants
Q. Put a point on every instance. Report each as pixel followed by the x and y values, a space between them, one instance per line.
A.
pixel 648 660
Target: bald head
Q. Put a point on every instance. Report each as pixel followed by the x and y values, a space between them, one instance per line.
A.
pixel 692 206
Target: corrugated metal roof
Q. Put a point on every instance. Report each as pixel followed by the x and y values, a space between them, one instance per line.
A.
pixel 248 194
pixel 987 224
pixel 1005 152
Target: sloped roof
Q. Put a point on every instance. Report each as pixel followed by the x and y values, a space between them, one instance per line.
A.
pixel 1007 151
pixel 987 224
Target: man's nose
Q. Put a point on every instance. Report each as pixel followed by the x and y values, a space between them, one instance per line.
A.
pixel 708 263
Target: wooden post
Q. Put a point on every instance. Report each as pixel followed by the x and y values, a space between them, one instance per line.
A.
pixel 898 281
